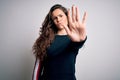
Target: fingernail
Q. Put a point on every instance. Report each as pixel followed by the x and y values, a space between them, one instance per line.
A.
pixel 73 5
pixel 68 9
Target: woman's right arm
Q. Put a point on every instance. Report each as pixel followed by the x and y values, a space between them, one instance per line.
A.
pixel 38 66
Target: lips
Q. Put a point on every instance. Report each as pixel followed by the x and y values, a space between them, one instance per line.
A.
pixel 60 23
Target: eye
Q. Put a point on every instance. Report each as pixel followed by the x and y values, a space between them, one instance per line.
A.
pixel 54 18
pixel 61 15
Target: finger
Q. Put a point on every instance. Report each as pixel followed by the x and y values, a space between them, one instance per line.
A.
pixel 77 14
pixel 69 17
pixel 73 13
pixel 66 29
pixel 84 18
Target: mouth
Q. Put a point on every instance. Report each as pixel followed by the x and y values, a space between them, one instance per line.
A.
pixel 60 23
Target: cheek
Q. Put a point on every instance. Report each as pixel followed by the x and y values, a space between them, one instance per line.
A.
pixel 65 21
pixel 55 22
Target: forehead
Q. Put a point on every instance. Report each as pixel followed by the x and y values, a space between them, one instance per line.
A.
pixel 56 12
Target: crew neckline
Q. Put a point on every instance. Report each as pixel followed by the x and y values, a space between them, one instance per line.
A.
pixel 60 35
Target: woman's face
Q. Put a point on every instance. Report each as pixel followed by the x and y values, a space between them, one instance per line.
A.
pixel 59 18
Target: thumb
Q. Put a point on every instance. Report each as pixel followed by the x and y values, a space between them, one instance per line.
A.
pixel 66 29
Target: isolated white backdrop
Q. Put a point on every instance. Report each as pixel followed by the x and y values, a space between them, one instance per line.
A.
pixel 20 21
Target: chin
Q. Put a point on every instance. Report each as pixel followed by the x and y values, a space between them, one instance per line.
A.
pixel 60 27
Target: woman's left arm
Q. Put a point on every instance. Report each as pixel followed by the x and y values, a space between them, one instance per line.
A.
pixel 77 29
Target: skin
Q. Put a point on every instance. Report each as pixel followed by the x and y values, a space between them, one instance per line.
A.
pixel 76 29
pixel 59 19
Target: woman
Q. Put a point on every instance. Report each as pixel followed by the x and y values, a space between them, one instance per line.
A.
pixel 61 36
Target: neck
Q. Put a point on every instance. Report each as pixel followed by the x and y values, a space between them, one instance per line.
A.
pixel 62 32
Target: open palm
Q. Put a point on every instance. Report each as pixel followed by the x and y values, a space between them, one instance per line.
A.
pixel 76 29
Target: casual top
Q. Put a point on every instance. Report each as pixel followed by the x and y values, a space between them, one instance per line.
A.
pixel 61 58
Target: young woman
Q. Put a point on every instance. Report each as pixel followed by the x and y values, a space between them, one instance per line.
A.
pixel 61 36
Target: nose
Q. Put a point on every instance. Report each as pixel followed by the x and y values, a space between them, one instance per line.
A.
pixel 58 19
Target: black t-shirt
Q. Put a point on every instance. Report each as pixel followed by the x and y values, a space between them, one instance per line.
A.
pixel 61 58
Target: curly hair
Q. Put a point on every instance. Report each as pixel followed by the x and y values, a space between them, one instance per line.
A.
pixel 47 33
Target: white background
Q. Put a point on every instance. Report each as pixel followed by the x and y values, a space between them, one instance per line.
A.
pixel 20 21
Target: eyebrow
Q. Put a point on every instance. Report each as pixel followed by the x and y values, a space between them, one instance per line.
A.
pixel 57 15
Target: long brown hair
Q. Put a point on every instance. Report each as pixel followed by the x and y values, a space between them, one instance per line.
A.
pixel 46 33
